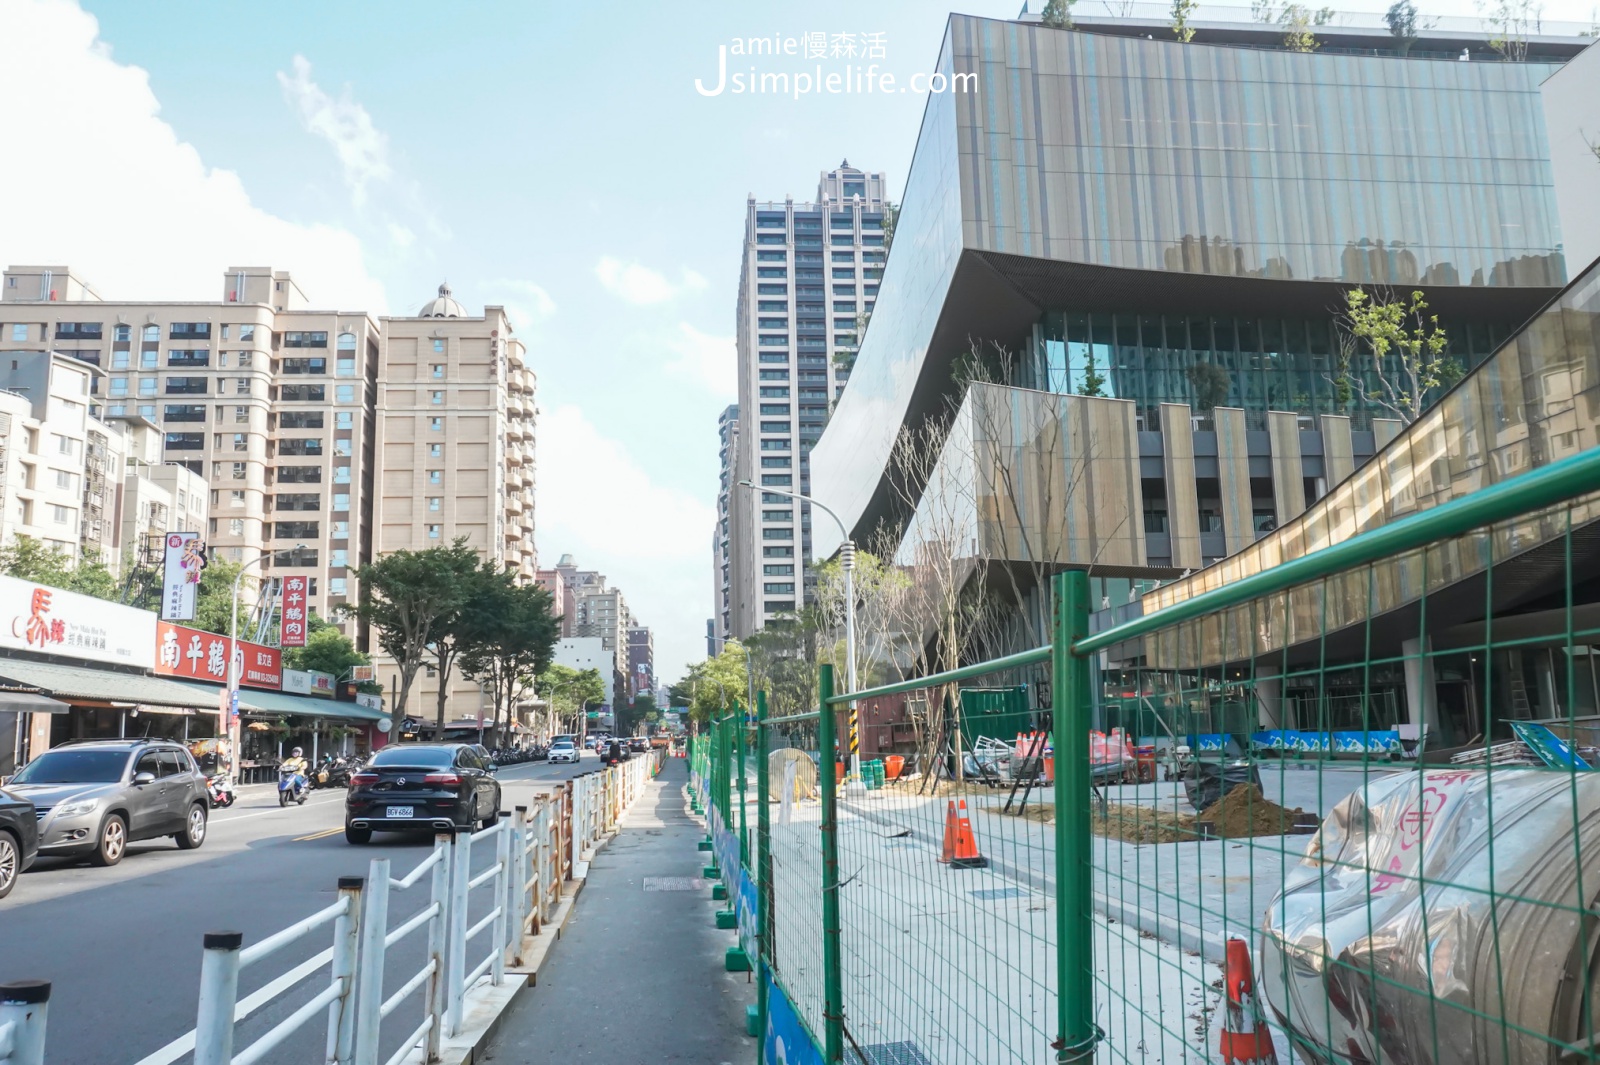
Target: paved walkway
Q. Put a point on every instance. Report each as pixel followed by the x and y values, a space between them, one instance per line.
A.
pixel 637 977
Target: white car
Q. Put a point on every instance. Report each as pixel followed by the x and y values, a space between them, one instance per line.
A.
pixel 563 752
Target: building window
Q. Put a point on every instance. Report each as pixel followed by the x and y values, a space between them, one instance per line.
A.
pixel 241 414
pixel 437 398
pixel 147 359
pixel 147 387
pixel 777 534
pixel 343 419
pixel 236 526
pixel 246 359
pixel 336 586
pixel 339 558
pixel 58 514
pixel 435 502
pixel 236 497
pixel 238 471
pixel 345 367
pixel 436 477
pixel 305 340
pixel 777 515
pixel 438 343
pixel 434 531
pixel 119 386
pixel 772 290
pixel 776 462
pixel 344 394
pixel 341 530
pixel 119 360
pixel 342 448
pixel 247 332
pixel 780 357
pixel 438 369
pixel 777 480
pixel 436 425
pixel 341 502
pixel 19 331
pixel 341 475
pixel 189 331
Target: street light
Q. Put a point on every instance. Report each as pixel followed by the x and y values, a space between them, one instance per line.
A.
pixel 847 561
pixel 233 657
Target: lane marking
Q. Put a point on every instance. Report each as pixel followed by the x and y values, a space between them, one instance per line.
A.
pixel 319 835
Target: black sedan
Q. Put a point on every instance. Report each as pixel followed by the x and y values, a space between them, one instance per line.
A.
pixel 19 838
pixel 412 787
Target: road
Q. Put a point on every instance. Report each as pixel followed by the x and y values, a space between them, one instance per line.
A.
pixel 122 945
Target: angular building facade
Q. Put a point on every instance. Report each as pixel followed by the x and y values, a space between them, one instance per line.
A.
pixel 809 277
pixel 1148 242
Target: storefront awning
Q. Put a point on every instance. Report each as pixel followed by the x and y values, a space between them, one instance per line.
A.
pixel 31 703
pixel 267 702
pixel 81 683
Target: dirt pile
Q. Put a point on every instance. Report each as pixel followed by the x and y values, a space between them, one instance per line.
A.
pixel 1133 823
pixel 1244 811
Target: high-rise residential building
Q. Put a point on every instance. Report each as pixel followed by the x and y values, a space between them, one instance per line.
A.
pixel 721 537
pixel 552 581
pixel 455 428
pixel 591 609
pixel 809 277
pixel 1158 315
pixel 267 399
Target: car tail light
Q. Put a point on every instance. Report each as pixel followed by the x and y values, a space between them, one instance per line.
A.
pixel 447 779
pixel 364 778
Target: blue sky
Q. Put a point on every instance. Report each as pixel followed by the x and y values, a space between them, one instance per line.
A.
pixel 554 158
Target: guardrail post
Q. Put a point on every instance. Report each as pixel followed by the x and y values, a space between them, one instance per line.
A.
pixel 1071 687
pixel 502 901
pixel 25 1006
pixel 764 938
pixel 219 990
pixel 738 754
pixel 832 980
pixel 456 970
pixel 438 939
pixel 517 887
pixel 564 833
pixel 346 937
pixel 369 962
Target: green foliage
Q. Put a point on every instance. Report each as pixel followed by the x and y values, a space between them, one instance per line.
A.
pixel 782 660
pixel 569 690
pixel 28 559
pixel 328 650
pixel 410 599
pixel 1511 23
pixel 1395 344
pixel 1211 385
pixel 1402 20
pixel 1094 382
pixel 712 685
pixel 1057 14
pixel 213 601
pixel 1182 12
pixel 1297 20
pixel 505 633
pixel 641 709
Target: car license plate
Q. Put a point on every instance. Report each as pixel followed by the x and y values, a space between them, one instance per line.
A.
pixel 395 812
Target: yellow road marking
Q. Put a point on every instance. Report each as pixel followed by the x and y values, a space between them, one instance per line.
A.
pixel 320 835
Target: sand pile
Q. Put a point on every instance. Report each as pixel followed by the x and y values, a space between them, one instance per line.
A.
pixel 1244 811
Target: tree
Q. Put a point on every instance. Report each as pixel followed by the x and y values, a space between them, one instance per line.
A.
pixel 507 633
pixel 715 683
pixel 1057 14
pixel 213 600
pixel 1094 382
pixel 28 559
pixel 410 598
pixel 1297 20
pixel 1391 352
pixel 569 691
pixel 782 660
pixel 1211 385
pixel 1511 23
pixel 1402 20
pixel 328 650
pixel 1182 11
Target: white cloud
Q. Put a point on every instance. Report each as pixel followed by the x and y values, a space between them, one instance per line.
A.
pixel 707 359
pixel 160 224
pixel 362 148
pixel 528 304
pixel 596 503
pixel 640 284
pixel 400 236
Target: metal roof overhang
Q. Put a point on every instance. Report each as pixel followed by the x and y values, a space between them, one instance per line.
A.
pixel 80 683
pixel 31 703
pixel 271 702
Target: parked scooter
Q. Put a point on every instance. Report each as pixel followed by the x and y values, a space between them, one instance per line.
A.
pixel 220 788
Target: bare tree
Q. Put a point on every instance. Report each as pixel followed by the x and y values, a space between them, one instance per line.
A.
pixel 1510 24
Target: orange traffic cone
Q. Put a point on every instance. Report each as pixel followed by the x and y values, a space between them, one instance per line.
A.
pixel 949 852
pixel 966 852
pixel 1245 1038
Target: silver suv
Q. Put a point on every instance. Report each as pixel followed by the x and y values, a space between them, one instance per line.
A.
pixel 94 797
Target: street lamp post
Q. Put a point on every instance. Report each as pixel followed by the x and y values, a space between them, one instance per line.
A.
pixel 847 562
pixel 232 725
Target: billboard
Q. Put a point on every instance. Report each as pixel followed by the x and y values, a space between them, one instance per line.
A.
pixel 185 558
pixel 35 617
pixel 292 626
pixel 308 682
pixel 195 655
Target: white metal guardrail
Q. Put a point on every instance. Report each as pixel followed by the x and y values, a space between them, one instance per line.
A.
pixel 534 850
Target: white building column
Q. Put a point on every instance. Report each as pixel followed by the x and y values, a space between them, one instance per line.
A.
pixel 1269 702
pixel 1422 703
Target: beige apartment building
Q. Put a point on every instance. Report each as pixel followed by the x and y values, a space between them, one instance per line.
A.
pixel 92 490
pixel 456 420
pixel 266 399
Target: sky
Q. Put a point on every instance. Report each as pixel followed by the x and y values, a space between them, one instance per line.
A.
pixel 557 159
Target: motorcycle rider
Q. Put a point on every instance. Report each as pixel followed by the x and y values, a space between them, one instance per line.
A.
pixel 296 764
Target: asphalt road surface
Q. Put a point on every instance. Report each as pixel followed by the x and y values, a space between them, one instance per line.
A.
pixel 122 945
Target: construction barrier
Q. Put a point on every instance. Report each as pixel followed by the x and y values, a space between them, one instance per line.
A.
pixel 1422 889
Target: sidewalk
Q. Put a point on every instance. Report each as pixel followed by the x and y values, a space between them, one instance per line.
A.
pixel 638 976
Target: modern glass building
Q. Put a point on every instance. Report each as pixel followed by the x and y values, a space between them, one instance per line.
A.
pixel 1105 203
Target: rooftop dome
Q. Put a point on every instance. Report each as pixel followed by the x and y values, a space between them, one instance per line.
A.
pixel 445 306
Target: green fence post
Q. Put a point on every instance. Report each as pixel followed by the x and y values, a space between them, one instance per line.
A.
pixel 832 982
pixel 1074 885
pixel 744 826
pixel 763 878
